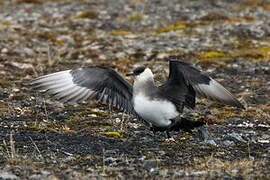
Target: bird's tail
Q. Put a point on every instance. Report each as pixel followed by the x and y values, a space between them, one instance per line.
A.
pixel 186 125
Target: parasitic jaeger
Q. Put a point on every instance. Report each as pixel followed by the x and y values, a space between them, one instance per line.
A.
pixel 159 106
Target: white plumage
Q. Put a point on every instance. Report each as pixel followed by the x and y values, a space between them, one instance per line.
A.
pixel 156 112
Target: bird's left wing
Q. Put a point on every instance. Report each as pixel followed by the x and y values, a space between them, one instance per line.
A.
pixel 203 84
pixel 96 83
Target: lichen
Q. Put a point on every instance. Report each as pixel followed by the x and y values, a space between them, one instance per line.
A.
pixel 181 25
pixel 218 57
pixel 87 15
pixel 113 134
pixel 254 54
pixel 120 33
pixel 212 55
pixel 136 17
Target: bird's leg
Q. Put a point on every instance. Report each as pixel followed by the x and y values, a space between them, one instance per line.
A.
pixel 172 125
pixel 169 137
pixel 168 134
pixel 153 129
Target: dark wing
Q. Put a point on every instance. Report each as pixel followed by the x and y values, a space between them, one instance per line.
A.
pixel 178 91
pixel 98 83
pixel 203 85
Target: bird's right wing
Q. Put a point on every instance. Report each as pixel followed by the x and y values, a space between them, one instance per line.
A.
pixel 97 83
pixel 203 85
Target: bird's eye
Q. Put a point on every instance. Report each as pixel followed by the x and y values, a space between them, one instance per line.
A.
pixel 138 70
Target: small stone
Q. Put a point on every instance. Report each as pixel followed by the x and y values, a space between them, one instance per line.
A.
pixel 8 175
pixel 228 143
pixel 263 141
pixel 210 142
pixel 198 173
pixel 235 137
pixel 150 165
pixel 4 50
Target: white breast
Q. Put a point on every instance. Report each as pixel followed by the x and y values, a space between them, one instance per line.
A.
pixel 156 112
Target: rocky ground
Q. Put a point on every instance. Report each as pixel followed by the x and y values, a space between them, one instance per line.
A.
pixel 43 139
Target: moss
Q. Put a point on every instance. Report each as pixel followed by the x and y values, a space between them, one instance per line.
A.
pixel 4 109
pixel 212 55
pixel 4 83
pixel 113 134
pixel 225 114
pixel 217 57
pixel 49 36
pixel 4 25
pixel 247 51
pixel 136 17
pixel 120 33
pixel 40 127
pixel 254 54
pixel 181 25
pixel 87 15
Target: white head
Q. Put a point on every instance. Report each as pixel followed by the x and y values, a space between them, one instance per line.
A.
pixel 142 74
pixel 144 79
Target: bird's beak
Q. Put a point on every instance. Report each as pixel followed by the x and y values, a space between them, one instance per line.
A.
pixel 130 74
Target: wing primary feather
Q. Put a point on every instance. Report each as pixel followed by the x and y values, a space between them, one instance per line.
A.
pixel 203 84
pixel 94 83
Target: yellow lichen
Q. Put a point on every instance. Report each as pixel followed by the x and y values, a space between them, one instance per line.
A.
pixel 5 25
pixel 4 109
pixel 136 17
pixel 174 27
pixel 113 134
pixel 212 55
pixel 225 114
pixel 120 33
pixel 255 54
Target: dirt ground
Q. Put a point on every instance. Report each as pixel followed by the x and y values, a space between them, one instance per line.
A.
pixel 41 138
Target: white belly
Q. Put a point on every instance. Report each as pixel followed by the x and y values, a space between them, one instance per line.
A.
pixel 156 112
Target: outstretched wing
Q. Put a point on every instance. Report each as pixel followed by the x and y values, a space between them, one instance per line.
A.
pixel 203 85
pixel 97 83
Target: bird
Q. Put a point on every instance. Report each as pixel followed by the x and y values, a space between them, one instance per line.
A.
pixel 160 107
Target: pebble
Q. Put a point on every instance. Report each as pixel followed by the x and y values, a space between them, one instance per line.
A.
pixel 4 50
pixel 150 165
pixel 8 176
pixel 228 143
pixel 235 137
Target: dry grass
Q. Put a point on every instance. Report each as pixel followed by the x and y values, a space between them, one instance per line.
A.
pixel 241 168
